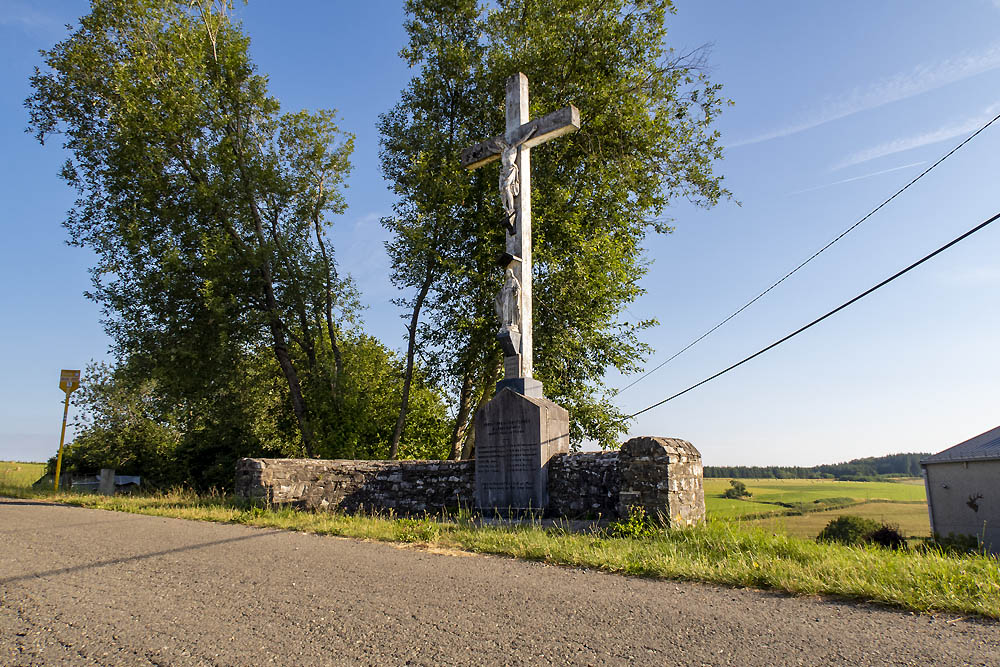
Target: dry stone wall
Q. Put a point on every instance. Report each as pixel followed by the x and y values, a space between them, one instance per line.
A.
pixel 584 486
pixel 406 487
pixel 663 475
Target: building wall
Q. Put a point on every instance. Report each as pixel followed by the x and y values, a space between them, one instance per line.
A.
pixel 964 498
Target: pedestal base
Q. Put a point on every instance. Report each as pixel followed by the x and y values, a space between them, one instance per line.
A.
pixel 516 435
pixel 524 386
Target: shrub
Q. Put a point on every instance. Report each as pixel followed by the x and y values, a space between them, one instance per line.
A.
pixel 848 529
pixel 737 489
pixel 888 536
pixel 636 526
pixel 959 545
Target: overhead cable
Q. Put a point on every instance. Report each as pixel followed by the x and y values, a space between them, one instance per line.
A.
pixel 814 256
pixel 820 319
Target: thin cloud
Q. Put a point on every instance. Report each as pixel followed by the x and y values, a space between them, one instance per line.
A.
pixel 920 79
pixel 858 178
pixel 969 277
pixel 950 131
pixel 24 16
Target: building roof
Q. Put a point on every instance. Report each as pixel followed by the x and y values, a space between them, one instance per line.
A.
pixel 983 446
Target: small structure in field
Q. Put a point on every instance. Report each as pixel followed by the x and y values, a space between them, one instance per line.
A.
pixel 963 489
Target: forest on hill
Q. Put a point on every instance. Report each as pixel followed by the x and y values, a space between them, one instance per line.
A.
pixel 865 469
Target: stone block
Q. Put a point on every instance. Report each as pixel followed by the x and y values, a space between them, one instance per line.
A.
pixel 663 476
pixel 516 435
pixel 106 482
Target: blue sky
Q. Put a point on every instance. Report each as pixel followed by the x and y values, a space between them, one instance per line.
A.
pixel 837 105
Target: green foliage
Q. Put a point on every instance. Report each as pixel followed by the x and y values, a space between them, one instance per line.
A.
pixel 638 525
pixel 888 536
pixel 954 544
pixel 849 530
pixel 121 427
pixel 208 211
pixel 736 490
pixel 206 206
pixel 645 139
pixel 129 424
pixel 371 393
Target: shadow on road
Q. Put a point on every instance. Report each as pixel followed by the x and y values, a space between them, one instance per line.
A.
pixel 130 559
pixel 5 501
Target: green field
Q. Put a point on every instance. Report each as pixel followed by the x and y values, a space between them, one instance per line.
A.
pixel 20 475
pixel 900 503
pixel 911 518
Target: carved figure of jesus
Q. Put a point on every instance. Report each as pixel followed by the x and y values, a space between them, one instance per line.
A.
pixel 510 186
pixel 510 181
pixel 508 302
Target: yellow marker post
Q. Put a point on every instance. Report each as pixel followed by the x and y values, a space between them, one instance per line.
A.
pixel 69 381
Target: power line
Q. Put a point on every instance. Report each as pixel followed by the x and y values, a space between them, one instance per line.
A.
pixel 814 256
pixel 820 319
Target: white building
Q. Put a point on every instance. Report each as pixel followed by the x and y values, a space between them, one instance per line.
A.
pixel 963 489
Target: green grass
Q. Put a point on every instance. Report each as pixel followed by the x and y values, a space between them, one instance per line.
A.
pixel 792 491
pixel 17 474
pixel 722 552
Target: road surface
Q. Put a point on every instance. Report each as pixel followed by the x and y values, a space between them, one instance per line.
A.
pixel 90 587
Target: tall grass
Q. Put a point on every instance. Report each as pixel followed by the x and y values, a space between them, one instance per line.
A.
pixel 720 552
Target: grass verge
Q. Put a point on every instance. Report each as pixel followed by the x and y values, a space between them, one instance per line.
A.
pixel 720 552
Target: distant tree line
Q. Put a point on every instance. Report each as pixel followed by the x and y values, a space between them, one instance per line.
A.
pixel 865 469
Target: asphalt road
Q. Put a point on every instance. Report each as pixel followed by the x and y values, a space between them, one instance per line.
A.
pixel 86 587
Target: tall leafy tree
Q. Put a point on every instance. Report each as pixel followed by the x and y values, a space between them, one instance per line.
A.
pixel 646 138
pixel 206 206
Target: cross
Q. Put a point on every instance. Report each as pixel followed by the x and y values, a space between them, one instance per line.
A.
pixel 513 148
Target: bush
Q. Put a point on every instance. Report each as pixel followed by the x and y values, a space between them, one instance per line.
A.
pixel 848 529
pixel 637 526
pixel 957 545
pixel 737 489
pixel 856 530
pixel 889 537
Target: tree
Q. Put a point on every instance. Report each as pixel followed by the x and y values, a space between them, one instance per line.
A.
pixel 736 490
pixel 206 206
pixel 645 139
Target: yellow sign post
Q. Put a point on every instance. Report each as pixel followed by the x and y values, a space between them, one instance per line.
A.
pixel 69 381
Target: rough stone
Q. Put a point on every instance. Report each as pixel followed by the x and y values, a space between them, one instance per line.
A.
pixel 405 487
pixel 663 476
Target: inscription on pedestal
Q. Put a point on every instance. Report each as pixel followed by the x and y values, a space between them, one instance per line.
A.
pixel 515 437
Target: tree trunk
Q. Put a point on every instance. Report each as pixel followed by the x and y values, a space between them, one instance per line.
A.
pixel 489 376
pixel 338 361
pixel 411 347
pixel 462 420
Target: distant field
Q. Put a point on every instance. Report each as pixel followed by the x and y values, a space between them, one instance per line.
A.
pixel 906 506
pixel 911 518
pixel 17 474
pixel 808 490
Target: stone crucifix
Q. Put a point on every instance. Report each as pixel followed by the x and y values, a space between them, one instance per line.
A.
pixel 513 149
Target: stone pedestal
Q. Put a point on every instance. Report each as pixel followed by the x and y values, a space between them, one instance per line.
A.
pixel 663 476
pixel 516 435
pixel 106 482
